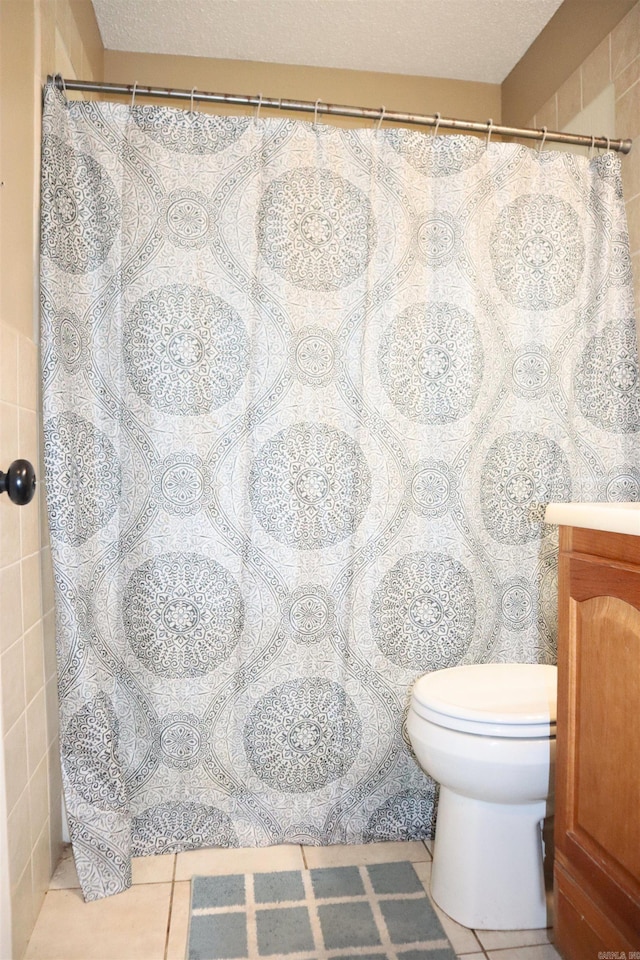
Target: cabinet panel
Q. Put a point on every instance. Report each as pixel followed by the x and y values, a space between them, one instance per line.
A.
pixel 607 751
pixel 597 836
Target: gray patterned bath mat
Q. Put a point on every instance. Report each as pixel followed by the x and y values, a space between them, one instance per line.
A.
pixel 331 913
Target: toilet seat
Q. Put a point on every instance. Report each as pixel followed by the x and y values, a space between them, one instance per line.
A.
pixel 490 699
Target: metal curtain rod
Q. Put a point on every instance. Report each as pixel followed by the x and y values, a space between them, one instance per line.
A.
pixel 342 110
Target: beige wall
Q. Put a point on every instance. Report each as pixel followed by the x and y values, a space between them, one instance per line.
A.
pixel 36 37
pixel 615 60
pixel 452 98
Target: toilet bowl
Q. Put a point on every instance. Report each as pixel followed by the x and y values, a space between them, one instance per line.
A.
pixel 486 734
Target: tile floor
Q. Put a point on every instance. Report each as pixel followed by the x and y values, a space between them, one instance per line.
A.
pixel 149 921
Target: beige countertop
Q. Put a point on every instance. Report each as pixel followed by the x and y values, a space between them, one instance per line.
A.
pixel 614 517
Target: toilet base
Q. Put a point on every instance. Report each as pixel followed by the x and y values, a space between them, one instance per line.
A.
pixel 487 868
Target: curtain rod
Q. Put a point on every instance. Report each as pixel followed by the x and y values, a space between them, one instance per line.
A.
pixel 343 110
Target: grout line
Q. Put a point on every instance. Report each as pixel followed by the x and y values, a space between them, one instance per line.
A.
pixel 173 893
pixel 166 939
pixel 619 96
pixel 249 910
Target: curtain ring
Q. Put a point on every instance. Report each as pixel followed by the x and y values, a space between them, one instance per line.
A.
pixel 257 116
pixel 133 95
pixel 193 90
pixel 544 137
pixel 382 112
pixel 315 113
pixel 435 132
pixel 490 128
pixel 593 140
pixel 608 144
pixel 62 84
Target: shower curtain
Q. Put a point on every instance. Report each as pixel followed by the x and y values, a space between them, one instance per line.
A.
pixel 307 391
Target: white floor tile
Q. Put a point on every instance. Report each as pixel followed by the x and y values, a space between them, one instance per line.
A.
pixel 462 939
pixel 179 923
pixel 65 876
pixel 129 926
pixel 157 869
pixel 363 853
pixel 499 939
pixel 543 952
pixel 217 862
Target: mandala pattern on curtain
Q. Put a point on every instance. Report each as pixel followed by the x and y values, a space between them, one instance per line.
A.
pixel 307 391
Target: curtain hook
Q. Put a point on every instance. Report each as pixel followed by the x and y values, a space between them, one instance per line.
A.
pixel 489 129
pixel 133 95
pixel 593 140
pixel 544 137
pixel 381 118
pixel 315 113
pixel 435 132
pixel 193 90
pixel 608 144
pixel 257 116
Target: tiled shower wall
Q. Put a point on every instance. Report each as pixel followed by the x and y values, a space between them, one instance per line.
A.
pixel 616 60
pixel 37 37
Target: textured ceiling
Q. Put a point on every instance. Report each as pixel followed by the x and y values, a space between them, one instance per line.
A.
pixel 479 40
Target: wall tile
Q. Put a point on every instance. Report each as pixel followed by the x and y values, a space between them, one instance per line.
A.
pixel 39 800
pixel 569 99
pixel 12 671
pixel 19 832
pixel 625 80
pixel 33 661
pixel 596 71
pixel 49 645
pixel 633 221
pixel 28 375
pixel 46 574
pixel 31 591
pixel 8 363
pixel 9 433
pixel 9 513
pixel 547 115
pixel 631 172
pixel 28 435
pixel 628 113
pixel 51 700
pixel 29 516
pixel 15 759
pixel 9 526
pixel 635 266
pixel 41 867
pixel 625 41
pixel 37 742
pixel 11 605
pixel 22 912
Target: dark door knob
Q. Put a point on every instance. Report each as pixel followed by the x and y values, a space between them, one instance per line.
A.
pixel 19 482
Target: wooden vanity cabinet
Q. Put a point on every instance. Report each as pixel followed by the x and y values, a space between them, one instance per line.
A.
pixel 597 824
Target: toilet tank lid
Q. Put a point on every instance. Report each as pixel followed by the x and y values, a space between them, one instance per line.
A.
pixel 515 693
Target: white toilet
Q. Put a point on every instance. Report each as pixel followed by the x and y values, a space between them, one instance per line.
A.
pixel 486 734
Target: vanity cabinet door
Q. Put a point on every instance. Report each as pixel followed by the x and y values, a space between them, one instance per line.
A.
pixel 597 837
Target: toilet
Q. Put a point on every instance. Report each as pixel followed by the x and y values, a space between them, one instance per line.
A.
pixel 486 734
